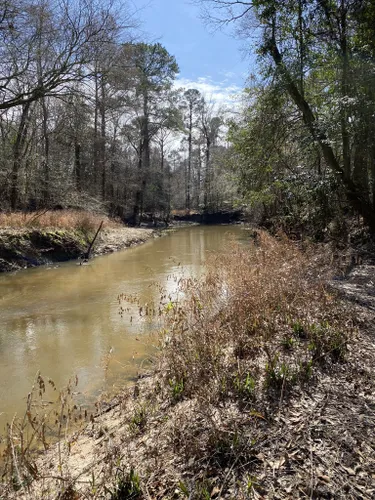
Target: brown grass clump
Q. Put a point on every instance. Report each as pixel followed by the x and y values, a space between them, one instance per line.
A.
pixel 258 325
pixel 48 418
pixel 250 352
pixel 62 219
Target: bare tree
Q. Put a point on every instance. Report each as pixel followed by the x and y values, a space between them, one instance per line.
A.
pixel 64 30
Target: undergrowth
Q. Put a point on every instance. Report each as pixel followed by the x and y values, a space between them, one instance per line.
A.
pixel 257 325
pixel 257 331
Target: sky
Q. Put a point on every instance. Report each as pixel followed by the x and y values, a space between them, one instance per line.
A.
pixel 210 61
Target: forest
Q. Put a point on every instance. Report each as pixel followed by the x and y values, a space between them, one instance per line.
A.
pixel 92 117
pixel 305 148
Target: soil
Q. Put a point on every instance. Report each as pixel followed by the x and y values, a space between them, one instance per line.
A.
pixel 24 248
pixel 112 240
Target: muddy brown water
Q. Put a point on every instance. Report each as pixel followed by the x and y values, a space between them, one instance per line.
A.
pixel 65 321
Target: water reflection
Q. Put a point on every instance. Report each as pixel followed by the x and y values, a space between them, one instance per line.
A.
pixel 64 321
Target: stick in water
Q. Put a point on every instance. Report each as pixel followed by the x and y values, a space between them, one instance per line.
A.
pixel 86 255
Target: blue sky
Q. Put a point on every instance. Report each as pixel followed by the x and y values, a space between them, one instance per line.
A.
pixel 212 62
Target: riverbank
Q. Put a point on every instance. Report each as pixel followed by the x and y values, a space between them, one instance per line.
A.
pixel 58 237
pixel 263 388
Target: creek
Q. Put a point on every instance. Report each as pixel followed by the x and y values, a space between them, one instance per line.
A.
pixel 65 320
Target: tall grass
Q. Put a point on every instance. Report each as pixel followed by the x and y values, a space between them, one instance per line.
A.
pixel 61 219
pixel 257 325
pixel 49 418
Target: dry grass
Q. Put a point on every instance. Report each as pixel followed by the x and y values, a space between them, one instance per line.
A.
pixel 260 308
pixel 263 389
pixel 59 219
pixel 184 212
pixel 257 357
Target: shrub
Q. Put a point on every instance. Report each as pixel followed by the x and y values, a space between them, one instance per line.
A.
pixel 252 301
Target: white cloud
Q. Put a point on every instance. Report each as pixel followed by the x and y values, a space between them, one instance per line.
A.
pixel 221 94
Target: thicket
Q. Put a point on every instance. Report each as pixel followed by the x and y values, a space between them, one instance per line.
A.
pixel 304 149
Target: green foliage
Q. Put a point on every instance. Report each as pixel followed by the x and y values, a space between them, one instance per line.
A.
pixel 288 342
pixel 177 388
pixel 183 488
pixel 298 329
pixel 200 490
pixel 326 342
pixel 278 373
pixel 155 67
pixel 244 385
pixel 139 419
pixel 128 487
pixel 303 149
pixel 279 168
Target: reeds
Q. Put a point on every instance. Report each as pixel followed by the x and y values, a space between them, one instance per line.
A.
pixel 61 219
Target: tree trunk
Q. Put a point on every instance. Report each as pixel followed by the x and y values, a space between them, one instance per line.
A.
pixel 301 48
pixel 360 170
pixel 199 177
pixel 46 170
pixel 96 127
pixel 190 142
pixel 135 220
pixel 17 155
pixel 344 91
pixel 77 165
pixel 145 154
pixel 207 176
pixel 103 139
pixel 353 192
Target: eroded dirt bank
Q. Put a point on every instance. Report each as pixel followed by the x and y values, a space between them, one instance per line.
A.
pixel 24 248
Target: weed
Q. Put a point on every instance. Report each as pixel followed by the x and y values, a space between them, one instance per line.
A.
pixel 202 490
pixel 288 342
pixel 177 388
pixel 305 370
pixel 127 488
pixel 326 342
pixel 278 374
pixel 244 385
pixel 225 445
pixel 244 306
pixel 26 435
pixel 298 330
pixel 183 489
pixel 251 484
pixel 139 419
pixel 68 493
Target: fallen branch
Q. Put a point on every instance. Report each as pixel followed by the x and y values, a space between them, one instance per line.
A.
pixel 86 255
